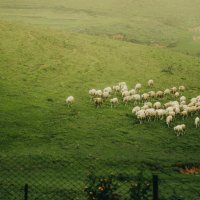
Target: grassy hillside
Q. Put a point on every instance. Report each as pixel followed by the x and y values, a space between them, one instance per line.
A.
pixel 167 23
pixel 40 67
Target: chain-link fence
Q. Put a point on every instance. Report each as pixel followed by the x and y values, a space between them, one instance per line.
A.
pixel 41 178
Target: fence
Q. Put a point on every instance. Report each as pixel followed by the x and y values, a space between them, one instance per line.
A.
pixel 48 178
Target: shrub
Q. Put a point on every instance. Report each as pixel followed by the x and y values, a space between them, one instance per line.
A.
pixel 101 188
pixel 140 188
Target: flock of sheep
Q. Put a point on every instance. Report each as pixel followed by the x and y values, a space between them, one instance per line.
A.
pixel 147 105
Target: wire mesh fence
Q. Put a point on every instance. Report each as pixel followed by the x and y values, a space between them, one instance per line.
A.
pixel 69 179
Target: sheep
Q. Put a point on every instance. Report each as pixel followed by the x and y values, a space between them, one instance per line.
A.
pixel 114 101
pixel 98 101
pixel 98 93
pixel 182 98
pixel 127 99
pixel 159 94
pixel 152 94
pixel 173 90
pixel 166 92
pixel 184 113
pixel 149 104
pixel 141 115
pixel 105 95
pixel 160 113
pixel 70 101
pixel 179 129
pixel 116 88
pixel 177 94
pixel 168 120
pixel 92 92
pixel 136 97
pixel 182 88
pixel 125 93
pixel 150 83
pixel 132 92
pixel 157 105
pixel 107 89
pixel 197 122
pixel 135 109
pixel 138 86
pixel 145 96
pixel 150 112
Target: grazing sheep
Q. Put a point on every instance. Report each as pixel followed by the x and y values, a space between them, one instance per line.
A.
pixel 116 88
pixel 159 94
pixel 98 101
pixel 136 98
pixel 166 92
pixel 141 115
pixel 149 104
pixel 177 94
pixel 92 92
pixel 70 101
pixel 127 99
pixel 184 114
pixel 135 109
pixel 132 92
pixel 197 122
pixel 125 94
pixel 114 101
pixel 138 86
pixel 182 88
pixel 152 94
pixel 182 98
pixel 105 95
pixel 98 93
pixel 168 120
pixel 145 96
pixel 150 83
pixel 173 90
pixel 107 89
pixel 179 129
pixel 157 105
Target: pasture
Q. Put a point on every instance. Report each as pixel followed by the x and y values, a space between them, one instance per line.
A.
pixel 49 52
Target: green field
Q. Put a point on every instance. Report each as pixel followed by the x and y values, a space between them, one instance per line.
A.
pixel 52 49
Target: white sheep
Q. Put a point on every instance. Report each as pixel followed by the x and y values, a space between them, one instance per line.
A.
pixel 169 120
pixel 135 109
pixel 179 129
pixel 114 101
pixel 105 95
pixel 182 88
pixel 197 122
pixel 138 86
pixel 70 100
pixel 141 115
pixel 107 89
pixel 150 83
pixel 159 94
pixel 98 93
pixel 157 105
pixel 98 101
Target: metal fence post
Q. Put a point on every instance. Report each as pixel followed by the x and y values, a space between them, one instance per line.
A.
pixel 26 192
pixel 155 187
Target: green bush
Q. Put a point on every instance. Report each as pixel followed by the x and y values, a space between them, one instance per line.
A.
pixel 101 188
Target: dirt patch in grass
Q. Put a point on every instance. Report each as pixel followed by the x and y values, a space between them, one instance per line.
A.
pixel 189 168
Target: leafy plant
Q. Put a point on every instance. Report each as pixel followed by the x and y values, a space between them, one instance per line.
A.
pixel 140 188
pixel 101 188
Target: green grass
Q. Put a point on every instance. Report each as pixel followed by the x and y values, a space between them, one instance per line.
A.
pixel 165 23
pixel 39 68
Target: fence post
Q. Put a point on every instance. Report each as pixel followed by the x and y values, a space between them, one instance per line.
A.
pixel 155 187
pixel 26 192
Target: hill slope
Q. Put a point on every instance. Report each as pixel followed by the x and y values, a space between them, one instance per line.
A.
pixel 165 23
pixel 39 68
